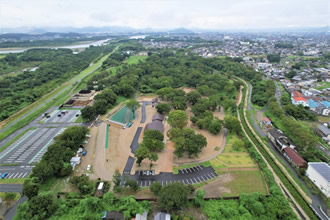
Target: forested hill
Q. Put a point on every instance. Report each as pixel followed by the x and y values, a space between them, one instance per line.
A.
pixel 56 67
pixel 168 69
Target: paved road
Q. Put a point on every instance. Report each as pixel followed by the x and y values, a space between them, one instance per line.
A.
pixel 135 143
pixel 10 214
pixel 196 174
pixel 11 188
pixel 317 202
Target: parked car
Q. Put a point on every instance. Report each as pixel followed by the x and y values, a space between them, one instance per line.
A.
pixel 129 124
pixel 88 167
pixel 4 175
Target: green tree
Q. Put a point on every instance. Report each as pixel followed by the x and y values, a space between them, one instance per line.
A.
pixel 153 157
pixel 163 108
pixel 30 188
pixel 141 154
pixel 174 196
pixel 156 187
pixel 232 124
pixel 178 119
pixel 116 178
pixel 193 97
pixel 100 106
pixel 88 113
pixel 238 145
pixel 132 104
pixel 215 126
pixel 199 197
pixel 153 134
pixel 132 184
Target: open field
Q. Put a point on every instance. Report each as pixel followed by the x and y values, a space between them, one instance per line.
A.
pixel 135 59
pixel 236 159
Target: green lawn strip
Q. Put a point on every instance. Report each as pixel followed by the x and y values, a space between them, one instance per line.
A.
pixel 4 194
pixel 107 137
pixel 9 164
pixel 247 181
pixel 288 184
pixel 12 181
pixel 177 168
pixel 80 119
pixel 15 139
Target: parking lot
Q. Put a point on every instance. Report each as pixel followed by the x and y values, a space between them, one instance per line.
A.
pixel 196 174
pixel 16 172
pixel 30 147
pixel 63 116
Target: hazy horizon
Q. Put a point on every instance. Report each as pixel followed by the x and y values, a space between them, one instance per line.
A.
pixel 169 14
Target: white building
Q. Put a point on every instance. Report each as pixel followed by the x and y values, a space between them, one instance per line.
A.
pixel 319 174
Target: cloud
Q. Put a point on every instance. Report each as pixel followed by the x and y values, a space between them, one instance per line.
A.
pixel 210 14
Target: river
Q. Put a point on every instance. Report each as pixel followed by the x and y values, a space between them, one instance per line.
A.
pixel 78 46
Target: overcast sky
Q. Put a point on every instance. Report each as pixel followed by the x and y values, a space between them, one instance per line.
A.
pixel 164 14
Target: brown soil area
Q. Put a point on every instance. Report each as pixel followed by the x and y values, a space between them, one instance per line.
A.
pixel 213 141
pixel 187 90
pixel 217 187
pixel 260 116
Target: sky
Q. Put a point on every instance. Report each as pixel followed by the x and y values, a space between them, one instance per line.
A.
pixel 165 14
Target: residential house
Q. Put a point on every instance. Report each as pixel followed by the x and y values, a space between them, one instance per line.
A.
pixel 141 217
pixel 319 174
pixel 113 215
pixel 323 132
pixel 267 122
pixel 284 145
pixel 162 216
pixel 298 99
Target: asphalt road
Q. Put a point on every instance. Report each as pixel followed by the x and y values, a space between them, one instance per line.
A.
pixel 11 188
pixel 135 143
pixel 10 214
pixel 317 202
pixel 196 174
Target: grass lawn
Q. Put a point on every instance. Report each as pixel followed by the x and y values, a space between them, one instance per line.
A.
pixel 231 137
pixel 246 182
pixel 80 119
pixel 53 184
pixel 216 164
pixel 12 181
pixel 4 194
pixel 242 159
pixel 135 59
pixel 323 119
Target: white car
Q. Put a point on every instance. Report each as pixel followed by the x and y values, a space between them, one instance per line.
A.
pixel 88 167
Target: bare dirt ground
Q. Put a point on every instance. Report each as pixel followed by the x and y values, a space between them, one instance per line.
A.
pixel 187 90
pixel 217 187
pixel 239 96
pixel 260 116
pixel 213 142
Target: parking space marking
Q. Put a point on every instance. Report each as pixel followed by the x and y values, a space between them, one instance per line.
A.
pixel 195 180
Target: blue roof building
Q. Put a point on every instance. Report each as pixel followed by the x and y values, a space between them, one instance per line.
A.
pixel 326 104
pixel 312 103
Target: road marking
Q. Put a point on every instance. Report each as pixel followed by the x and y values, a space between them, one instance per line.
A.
pixel 24 175
pixel 210 176
pixel 10 175
pixel 200 167
pixel 195 180
pixel 191 181
pixel 202 178
pixel 197 167
pixel 15 175
pixel 20 175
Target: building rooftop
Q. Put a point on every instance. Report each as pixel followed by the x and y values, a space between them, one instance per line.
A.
pixel 322 168
pixel 295 157
pixel 326 104
pixel 312 103
pixel 324 130
pixel 158 117
pixel 155 125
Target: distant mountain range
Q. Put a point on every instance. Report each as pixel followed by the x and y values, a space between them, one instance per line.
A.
pixel 123 29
